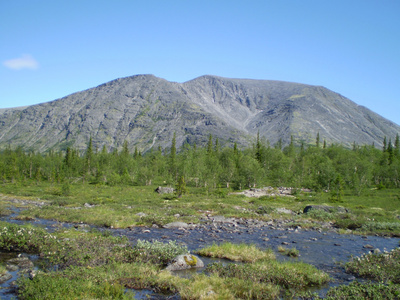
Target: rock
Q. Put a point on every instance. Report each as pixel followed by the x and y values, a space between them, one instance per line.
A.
pixel 184 262
pixel 22 262
pixel 87 205
pixel 140 214
pixel 368 246
pixel 164 190
pixel 222 219
pixel 32 274
pixel 12 268
pixel 284 211
pixel 329 209
pixel 176 225
pixel 5 277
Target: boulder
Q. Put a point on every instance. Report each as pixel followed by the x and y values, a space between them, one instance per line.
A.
pixel 184 262
pixel 284 211
pixel 329 209
pixel 222 219
pixel 5 277
pixel 176 225
pixel 164 190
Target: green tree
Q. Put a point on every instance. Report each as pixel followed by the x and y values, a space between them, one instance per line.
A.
pixel 181 187
pixel 172 159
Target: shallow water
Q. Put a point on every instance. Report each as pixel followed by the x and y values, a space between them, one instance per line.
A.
pixel 328 251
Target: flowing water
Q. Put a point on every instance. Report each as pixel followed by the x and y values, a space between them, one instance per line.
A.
pixel 328 251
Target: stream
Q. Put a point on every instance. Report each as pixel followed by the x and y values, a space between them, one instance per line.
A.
pixel 326 250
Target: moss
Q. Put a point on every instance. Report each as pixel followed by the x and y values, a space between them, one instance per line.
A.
pixel 191 260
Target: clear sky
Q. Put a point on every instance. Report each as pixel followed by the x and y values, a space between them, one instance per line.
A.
pixel 50 49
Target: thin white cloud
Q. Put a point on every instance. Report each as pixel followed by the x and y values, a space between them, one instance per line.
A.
pixel 26 61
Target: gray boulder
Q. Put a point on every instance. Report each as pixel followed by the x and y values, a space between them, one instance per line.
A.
pixel 176 225
pixel 164 190
pixel 5 277
pixel 184 262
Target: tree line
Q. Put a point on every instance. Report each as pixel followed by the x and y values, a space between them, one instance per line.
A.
pixel 318 166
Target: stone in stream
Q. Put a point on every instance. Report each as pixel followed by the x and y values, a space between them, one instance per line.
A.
pixel 184 262
pixel 5 277
pixel 164 190
pixel 22 262
pixel 176 225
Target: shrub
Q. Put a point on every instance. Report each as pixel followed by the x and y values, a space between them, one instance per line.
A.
pixel 293 252
pixel 157 252
pixel 384 226
pixel 383 267
pixel 25 238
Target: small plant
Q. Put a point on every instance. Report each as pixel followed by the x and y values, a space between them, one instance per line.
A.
pixel 321 215
pixel 3 269
pixel 293 252
pixel 262 210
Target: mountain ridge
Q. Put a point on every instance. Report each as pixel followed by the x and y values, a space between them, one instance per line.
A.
pixel 146 111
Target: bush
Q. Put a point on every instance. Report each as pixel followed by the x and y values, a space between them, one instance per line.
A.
pixel 383 267
pixel 384 226
pixel 322 215
pixel 25 238
pixel 157 252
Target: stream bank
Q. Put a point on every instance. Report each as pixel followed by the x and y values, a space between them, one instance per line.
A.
pixel 327 250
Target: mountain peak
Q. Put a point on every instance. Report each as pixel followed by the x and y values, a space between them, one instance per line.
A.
pixel 146 111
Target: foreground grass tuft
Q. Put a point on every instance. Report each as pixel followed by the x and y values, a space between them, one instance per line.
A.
pixel 288 275
pixel 237 252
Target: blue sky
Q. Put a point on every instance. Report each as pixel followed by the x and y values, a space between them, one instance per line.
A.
pixel 50 49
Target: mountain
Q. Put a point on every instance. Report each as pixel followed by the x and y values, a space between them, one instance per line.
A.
pixel 146 111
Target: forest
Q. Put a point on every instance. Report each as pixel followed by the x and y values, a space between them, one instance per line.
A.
pixel 318 167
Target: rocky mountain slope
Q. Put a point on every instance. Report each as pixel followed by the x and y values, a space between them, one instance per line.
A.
pixel 145 111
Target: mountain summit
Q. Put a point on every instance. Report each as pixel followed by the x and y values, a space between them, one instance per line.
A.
pixel 146 111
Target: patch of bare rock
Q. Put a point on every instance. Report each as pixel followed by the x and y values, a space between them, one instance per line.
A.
pixel 272 192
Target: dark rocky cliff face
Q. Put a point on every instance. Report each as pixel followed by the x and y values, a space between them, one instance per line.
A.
pixel 146 111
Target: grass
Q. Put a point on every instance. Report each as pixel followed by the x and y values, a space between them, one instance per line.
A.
pixel 237 252
pixel 95 265
pixel 3 269
pixel 289 275
pixel 375 211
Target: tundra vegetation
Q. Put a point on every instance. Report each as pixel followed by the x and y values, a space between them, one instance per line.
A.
pixel 118 188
